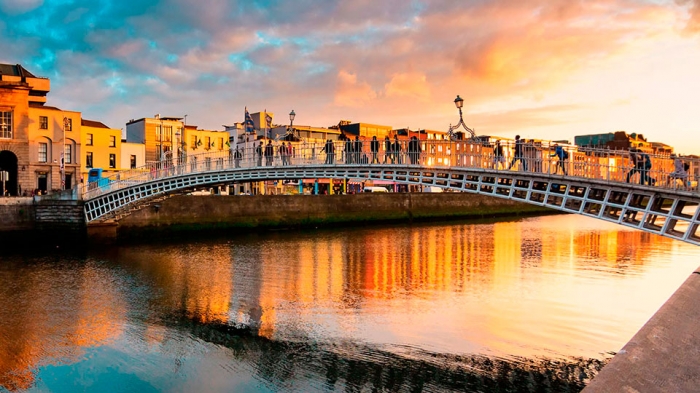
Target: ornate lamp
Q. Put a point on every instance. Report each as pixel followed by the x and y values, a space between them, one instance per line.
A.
pixel 459 102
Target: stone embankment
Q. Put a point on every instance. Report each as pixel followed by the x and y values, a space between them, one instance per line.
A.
pixel 25 221
pixel 34 224
pixel 186 213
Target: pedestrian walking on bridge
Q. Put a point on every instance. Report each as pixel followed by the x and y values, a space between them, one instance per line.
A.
pixel 374 147
pixel 637 165
pixel 563 156
pixel 518 154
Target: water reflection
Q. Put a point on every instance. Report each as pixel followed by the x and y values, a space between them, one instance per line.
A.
pixel 51 311
pixel 476 303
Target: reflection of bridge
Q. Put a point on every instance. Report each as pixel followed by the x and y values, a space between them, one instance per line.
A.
pixel 352 367
pixel 595 185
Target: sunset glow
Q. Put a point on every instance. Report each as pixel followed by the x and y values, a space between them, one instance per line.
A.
pixel 543 69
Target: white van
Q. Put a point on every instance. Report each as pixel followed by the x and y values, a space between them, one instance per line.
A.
pixel 432 189
pixel 200 192
pixel 375 189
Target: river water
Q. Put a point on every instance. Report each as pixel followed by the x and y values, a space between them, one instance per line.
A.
pixel 534 305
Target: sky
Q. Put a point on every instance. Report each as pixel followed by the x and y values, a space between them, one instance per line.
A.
pixel 544 69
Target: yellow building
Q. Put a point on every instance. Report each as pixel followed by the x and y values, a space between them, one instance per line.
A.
pixel 168 138
pixel 33 136
pixel 160 135
pixel 200 141
pixel 101 148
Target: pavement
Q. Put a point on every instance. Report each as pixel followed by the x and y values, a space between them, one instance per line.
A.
pixel 664 356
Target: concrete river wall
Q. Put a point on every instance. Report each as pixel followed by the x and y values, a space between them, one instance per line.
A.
pixel 24 221
pixel 32 224
pixel 186 213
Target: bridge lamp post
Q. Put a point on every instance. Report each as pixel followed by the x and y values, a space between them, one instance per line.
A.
pixel 459 103
pixel 292 115
pixel 183 153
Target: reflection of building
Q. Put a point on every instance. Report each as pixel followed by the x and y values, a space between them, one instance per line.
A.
pixel 55 320
pixel 32 134
pixel 196 283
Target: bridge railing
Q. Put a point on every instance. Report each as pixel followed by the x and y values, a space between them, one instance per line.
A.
pixel 536 157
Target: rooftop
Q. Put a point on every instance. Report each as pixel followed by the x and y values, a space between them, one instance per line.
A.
pixel 15 70
pixel 92 123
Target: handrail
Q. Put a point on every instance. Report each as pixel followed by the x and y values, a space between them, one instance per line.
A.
pixel 612 166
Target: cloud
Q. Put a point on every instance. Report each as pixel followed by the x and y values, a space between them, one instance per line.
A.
pixel 389 62
pixel 409 85
pixel 694 14
pixel 16 7
pixel 350 92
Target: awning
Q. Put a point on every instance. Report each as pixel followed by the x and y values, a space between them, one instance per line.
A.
pixel 320 181
pixel 381 182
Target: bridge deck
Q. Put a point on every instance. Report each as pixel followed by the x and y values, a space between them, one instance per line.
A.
pixel 598 183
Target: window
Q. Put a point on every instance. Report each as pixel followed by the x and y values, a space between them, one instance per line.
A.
pixel 43 148
pixel 89 140
pixel 221 143
pixel 194 142
pixel 43 122
pixel 6 124
pixel 132 161
pixel 207 142
pixel 68 124
pixel 67 154
pixel 168 133
pixel 112 160
pixel 112 141
pixel 88 159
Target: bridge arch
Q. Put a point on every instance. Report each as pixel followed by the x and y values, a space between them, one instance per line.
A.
pixel 670 213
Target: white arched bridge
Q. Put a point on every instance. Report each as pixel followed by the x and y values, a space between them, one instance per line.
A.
pixel 611 185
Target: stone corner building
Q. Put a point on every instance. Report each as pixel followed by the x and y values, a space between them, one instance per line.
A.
pixel 33 136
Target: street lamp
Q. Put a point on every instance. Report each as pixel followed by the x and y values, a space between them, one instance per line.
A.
pixel 459 102
pixel 182 154
pixel 292 115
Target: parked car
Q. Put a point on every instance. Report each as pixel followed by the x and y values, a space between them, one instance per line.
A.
pixel 200 192
pixel 375 189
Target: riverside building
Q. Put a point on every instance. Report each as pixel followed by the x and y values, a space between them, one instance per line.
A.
pixel 39 144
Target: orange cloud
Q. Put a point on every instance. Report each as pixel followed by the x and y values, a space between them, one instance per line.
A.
pixel 409 85
pixel 350 92
pixel 545 47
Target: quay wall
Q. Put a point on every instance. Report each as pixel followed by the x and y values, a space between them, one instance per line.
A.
pixel 16 214
pixel 61 222
pixel 185 213
pixel 41 223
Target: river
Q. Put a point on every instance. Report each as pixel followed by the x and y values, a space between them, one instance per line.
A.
pixel 533 305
